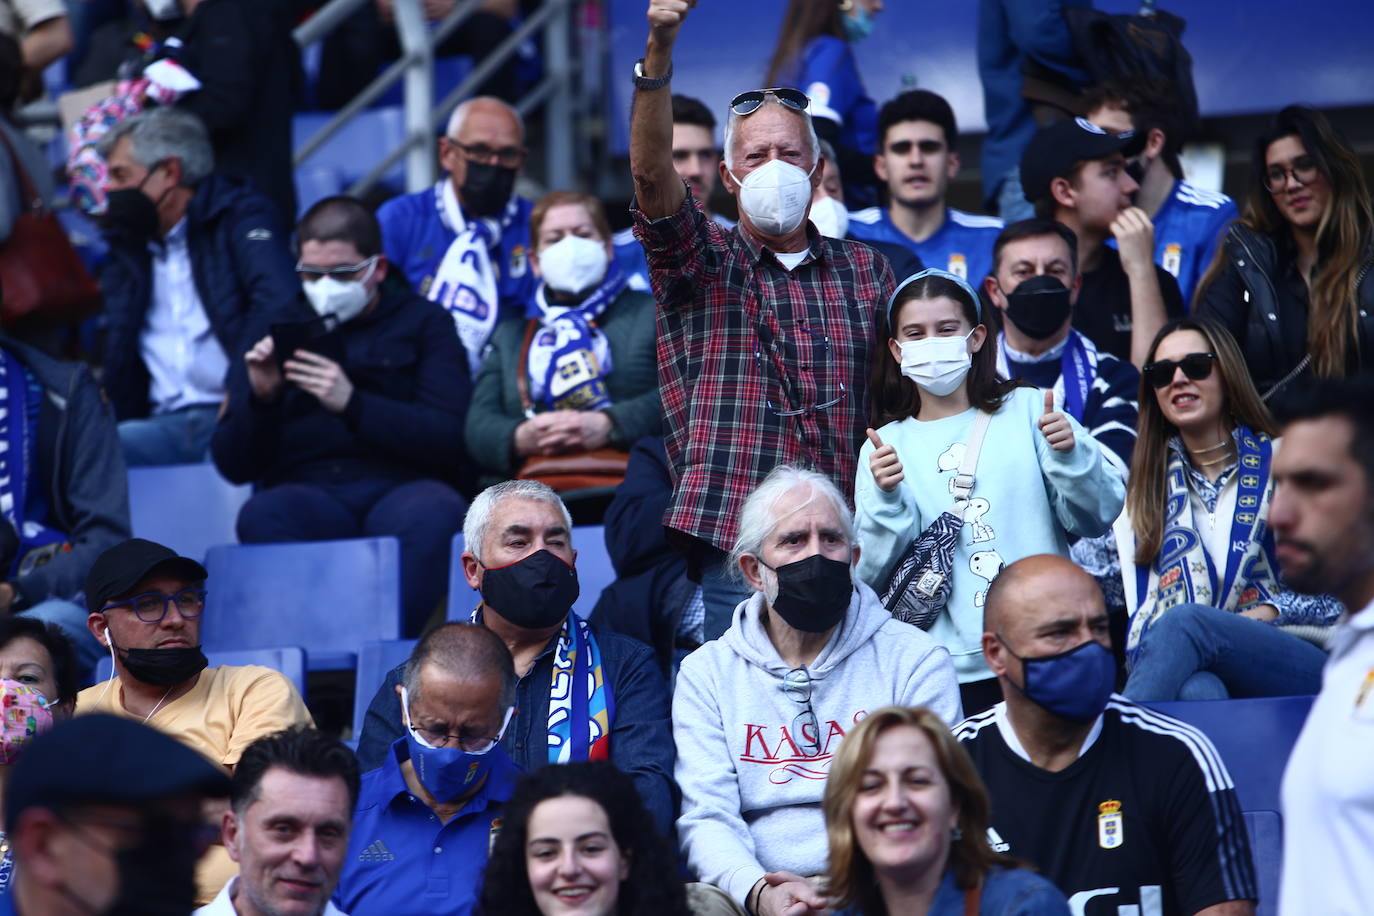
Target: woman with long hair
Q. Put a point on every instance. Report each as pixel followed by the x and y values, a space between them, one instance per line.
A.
pixel 575 838
pixel 1203 588
pixel 1039 476
pixel 1292 281
pixel 907 820
pixel 815 53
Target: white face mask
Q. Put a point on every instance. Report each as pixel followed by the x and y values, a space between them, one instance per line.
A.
pixel 774 196
pixel 938 364
pixel 573 264
pixel 830 216
pixel 344 299
pixel 163 10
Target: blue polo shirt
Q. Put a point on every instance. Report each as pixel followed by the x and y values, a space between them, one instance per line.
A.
pixel 402 861
pixel 629 254
pixel 1188 228
pixel 962 245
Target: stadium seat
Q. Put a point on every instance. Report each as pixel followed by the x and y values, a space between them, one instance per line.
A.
pixel 375 659
pixel 327 596
pixel 352 152
pixel 187 507
pixel 594 573
pixel 289 660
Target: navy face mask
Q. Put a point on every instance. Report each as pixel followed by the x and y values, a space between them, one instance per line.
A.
pixel 1073 685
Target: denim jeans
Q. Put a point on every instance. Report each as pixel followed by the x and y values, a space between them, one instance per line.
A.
pixel 1012 205
pixel 1196 652
pixel 71 618
pixel 180 437
pixel 721 592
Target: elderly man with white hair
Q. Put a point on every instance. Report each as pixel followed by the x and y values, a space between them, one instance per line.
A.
pixel 758 713
pixel 765 332
pixel 584 693
pixel 464 243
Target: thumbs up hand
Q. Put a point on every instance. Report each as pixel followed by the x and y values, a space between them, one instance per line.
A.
pixel 884 463
pixel 1054 426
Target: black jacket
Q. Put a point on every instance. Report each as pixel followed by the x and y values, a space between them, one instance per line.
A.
pixel 250 71
pixel 405 419
pixel 1268 316
pixel 243 272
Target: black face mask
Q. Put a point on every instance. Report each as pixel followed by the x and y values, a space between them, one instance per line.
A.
pixel 487 188
pixel 130 212
pixel 534 593
pixel 163 667
pixel 157 877
pixel 814 593
pixel 1039 306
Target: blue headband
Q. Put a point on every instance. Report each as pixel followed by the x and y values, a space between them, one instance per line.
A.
pixel 943 275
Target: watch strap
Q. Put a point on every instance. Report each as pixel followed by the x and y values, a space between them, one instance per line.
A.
pixel 645 83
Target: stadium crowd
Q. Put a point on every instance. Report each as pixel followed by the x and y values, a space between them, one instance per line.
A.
pixel 916 512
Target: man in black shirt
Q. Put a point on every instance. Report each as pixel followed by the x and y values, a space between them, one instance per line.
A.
pixel 1075 172
pixel 1125 809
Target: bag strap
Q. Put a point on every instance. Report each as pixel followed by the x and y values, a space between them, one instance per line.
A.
pixel 964 477
pixel 522 376
pixel 30 193
pixel 973 900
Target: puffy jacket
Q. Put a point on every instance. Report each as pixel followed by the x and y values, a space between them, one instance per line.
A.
pixel 1243 297
pixel 243 270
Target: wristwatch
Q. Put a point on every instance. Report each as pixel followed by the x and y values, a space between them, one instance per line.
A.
pixel 644 83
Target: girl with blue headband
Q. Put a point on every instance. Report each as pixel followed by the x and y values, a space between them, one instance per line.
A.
pixel 1039 476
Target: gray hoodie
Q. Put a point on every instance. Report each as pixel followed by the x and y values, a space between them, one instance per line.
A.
pixel 751 794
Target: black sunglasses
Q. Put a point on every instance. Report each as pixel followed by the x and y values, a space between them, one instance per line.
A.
pixel 749 102
pixel 1197 366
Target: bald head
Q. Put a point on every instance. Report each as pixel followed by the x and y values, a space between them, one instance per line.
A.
pixel 1040 595
pixel 467 652
pixel 492 112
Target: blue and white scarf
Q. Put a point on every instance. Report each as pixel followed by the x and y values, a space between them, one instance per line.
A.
pixel 1077 370
pixel 570 358
pixel 465 281
pixel 18 422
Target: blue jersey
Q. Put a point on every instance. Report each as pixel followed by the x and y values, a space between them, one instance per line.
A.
pixel 962 245
pixel 829 76
pixel 415 240
pixel 402 861
pixel 629 254
pixel 1188 228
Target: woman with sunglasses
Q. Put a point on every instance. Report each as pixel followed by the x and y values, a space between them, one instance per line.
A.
pixel 579 374
pixel 815 52
pixel 907 820
pixel 1039 477
pixel 1292 282
pixel 1203 589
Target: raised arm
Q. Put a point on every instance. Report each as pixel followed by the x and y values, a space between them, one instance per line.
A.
pixel 658 189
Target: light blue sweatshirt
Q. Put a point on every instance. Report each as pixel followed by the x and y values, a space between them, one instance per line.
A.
pixel 1025 498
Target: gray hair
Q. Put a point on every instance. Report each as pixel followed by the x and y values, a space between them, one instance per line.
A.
pixel 460 114
pixel 731 120
pixel 478 519
pixel 160 134
pixel 759 516
pixel 468 651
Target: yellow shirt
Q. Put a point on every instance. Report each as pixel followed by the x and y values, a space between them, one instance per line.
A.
pixel 228 709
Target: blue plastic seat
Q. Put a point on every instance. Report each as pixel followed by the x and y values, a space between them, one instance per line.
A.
pixel 358 146
pixel 594 573
pixel 187 507
pixel 375 659
pixel 329 597
pixel 289 660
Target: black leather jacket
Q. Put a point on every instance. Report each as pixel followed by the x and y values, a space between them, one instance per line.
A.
pixel 1266 315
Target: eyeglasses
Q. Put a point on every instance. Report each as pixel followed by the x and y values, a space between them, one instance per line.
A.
pixel 1304 172
pixel 151 607
pixel 345 272
pixel 797 685
pixel 826 354
pixel 508 156
pixel 747 103
pixel 1197 366
pixel 472 744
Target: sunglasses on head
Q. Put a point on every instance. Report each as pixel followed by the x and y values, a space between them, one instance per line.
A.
pixel 749 102
pixel 1196 366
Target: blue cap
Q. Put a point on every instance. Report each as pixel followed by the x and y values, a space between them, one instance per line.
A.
pixel 943 275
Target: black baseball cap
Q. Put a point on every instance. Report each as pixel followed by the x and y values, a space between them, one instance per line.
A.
pixel 1057 148
pixel 109 760
pixel 117 570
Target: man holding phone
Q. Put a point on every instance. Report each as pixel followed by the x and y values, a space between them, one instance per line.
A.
pixel 349 418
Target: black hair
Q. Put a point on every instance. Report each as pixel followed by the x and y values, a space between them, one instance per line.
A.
pixel 342 219
pixel 918 105
pixel 1351 399
pixel 11 72
pixel 687 110
pixel 302 750
pixel 1152 105
pixel 652 888
pixel 1030 229
pixel 50 637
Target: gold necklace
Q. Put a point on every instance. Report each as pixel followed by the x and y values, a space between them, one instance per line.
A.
pixel 1208 464
pixel 1203 451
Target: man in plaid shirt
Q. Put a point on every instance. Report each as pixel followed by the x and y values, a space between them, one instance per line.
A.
pixel 764 333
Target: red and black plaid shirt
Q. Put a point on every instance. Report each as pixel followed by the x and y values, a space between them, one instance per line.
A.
pixel 737 332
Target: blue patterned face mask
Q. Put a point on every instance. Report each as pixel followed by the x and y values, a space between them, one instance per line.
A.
pixel 448 772
pixel 1073 685
pixel 858 25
